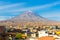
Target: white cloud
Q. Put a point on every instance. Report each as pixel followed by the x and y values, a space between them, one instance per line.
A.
pixel 11 5
pixel 51 14
pixel 5 17
pixel 24 9
pixel 54 18
pixel 27 8
pixel 35 7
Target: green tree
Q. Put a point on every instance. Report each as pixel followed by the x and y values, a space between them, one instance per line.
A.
pixel 18 36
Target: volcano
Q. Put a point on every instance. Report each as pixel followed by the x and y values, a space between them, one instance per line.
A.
pixel 29 16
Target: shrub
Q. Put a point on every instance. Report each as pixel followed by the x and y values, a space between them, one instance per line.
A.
pixel 18 36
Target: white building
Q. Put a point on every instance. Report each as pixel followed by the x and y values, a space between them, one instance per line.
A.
pixel 42 33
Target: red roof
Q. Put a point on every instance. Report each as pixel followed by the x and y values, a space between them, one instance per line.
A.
pixel 46 38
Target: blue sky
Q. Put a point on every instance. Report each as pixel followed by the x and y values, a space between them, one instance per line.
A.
pixel 47 8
